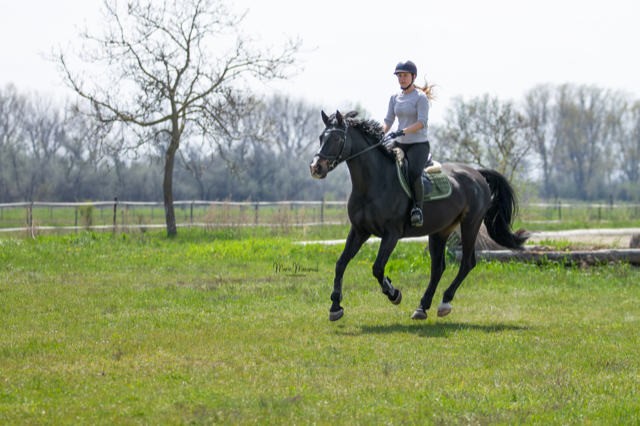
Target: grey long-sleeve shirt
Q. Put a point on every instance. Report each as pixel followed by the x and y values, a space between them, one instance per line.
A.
pixel 409 109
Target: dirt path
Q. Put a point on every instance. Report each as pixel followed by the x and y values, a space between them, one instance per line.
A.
pixel 613 237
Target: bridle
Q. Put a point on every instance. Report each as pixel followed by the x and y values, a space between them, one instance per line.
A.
pixel 334 161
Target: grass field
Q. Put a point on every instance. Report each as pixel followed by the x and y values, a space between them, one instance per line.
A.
pixel 202 329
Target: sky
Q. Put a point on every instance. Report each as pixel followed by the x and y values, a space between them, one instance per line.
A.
pixel 467 48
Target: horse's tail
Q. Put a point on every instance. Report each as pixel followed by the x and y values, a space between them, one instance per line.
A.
pixel 502 211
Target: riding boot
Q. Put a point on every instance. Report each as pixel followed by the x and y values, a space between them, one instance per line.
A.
pixel 418 197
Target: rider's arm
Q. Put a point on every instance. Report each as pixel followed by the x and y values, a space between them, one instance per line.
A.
pixel 413 128
pixel 390 118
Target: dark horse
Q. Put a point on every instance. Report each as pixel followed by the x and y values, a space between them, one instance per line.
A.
pixel 378 206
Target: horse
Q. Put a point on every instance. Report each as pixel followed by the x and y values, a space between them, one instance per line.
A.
pixel 378 206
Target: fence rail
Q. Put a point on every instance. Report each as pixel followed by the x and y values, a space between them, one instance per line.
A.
pixel 266 203
pixel 111 215
pixel 114 215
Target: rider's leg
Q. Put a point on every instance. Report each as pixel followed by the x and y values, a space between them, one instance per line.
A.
pixel 418 155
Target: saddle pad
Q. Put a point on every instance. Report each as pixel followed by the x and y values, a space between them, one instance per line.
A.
pixel 441 186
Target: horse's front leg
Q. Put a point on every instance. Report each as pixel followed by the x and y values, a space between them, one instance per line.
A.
pixel 387 245
pixel 355 240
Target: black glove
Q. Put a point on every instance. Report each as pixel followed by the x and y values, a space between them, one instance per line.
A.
pixel 394 135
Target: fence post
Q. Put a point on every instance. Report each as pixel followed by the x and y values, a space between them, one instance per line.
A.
pixel 29 207
pixel 559 210
pixel 192 212
pixel 31 220
pixel 255 220
pixel 115 216
pixel 610 206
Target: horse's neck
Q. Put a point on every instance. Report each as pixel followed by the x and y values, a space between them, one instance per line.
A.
pixel 370 169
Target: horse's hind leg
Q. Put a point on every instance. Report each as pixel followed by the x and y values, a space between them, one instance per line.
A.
pixel 469 233
pixel 355 240
pixel 387 245
pixel 437 245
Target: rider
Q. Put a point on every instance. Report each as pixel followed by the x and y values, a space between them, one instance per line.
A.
pixel 411 107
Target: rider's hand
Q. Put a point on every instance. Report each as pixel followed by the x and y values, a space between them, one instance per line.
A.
pixel 396 134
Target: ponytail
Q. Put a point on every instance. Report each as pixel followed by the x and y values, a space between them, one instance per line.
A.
pixel 429 90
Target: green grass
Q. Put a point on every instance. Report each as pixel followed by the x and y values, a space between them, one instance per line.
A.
pixel 201 329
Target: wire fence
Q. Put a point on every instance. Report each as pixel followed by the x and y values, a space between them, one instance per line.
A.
pixel 115 216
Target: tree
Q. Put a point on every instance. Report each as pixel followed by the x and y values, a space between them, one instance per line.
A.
pixel 12 113
pixel 178 68
pixel 486 132
pixel 582 132
pixel 539 112
pixel 628 142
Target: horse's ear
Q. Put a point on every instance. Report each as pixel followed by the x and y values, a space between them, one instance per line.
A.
pixel 339 118
pixel 325 118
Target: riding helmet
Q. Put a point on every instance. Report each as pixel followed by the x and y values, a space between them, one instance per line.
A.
pixel 408 66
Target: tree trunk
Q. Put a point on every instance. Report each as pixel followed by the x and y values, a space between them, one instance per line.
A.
pixel 167 186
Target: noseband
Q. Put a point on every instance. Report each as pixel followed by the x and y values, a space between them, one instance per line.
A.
pixel 334 160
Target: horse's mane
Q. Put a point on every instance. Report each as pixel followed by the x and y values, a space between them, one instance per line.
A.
pixel 370 128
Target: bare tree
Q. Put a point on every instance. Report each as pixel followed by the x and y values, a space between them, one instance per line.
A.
pixel 179 68
pixel 486 132
pixel 582 133
pixel 12 112
pixel 628 142
pixel 41 137
pixel 539 111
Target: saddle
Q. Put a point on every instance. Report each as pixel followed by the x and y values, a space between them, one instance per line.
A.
pixel 436 184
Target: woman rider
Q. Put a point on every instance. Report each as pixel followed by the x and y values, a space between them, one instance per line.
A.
pixel 411 108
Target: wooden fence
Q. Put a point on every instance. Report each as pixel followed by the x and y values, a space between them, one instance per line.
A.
pixel 114 215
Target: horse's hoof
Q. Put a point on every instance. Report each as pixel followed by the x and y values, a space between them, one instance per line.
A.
pixel 335 316
pixel 419 314
pixel 398 299
pixel 444 309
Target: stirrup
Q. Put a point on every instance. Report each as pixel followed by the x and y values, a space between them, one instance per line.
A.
pixel 416 217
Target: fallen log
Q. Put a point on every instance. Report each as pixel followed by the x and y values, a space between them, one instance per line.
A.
pixel 566 257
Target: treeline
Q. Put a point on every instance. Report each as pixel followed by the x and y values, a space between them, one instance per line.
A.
pixel 573 142
pixel 52 153
pixel 567 141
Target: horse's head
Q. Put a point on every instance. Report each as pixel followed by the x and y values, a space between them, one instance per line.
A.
pixel 332 142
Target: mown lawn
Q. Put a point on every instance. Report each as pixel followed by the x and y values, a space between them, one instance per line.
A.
pixel 201 329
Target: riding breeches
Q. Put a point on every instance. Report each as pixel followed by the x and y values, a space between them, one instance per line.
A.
pixel 417 154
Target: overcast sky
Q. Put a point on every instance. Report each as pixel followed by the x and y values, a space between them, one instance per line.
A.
pixel 466 47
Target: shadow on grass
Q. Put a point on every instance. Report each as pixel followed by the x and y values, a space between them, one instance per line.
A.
pixel 443 329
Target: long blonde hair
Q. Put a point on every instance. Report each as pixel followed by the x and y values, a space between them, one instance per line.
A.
pixel 428 89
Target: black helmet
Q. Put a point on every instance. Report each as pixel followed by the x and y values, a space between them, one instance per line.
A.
pixel 406 67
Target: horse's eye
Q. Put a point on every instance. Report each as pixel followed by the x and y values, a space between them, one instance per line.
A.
pixel 321 138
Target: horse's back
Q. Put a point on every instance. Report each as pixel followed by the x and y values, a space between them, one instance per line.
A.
pixel 470 195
